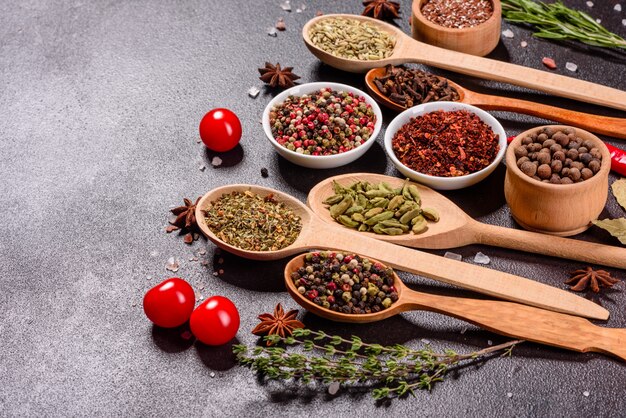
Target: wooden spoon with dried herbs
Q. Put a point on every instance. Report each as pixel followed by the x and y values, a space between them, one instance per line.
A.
pixel 506 318
pixel 330 37
pixel 398 89
pixel 245 228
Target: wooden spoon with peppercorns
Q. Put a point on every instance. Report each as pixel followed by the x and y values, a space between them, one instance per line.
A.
pixel 407 49
pixel 505 318
pixel 456 228
pixel 615 127
pixel 316 234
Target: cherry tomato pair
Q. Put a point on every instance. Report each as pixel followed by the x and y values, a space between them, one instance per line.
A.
pixel 171 303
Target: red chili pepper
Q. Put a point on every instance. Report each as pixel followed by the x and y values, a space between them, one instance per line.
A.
pixel 618 157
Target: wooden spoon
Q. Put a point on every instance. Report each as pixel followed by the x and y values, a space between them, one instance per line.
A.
pixel 506 318
pixel 615 127
pixel 456 228
pixel 408 49
pixel 316 234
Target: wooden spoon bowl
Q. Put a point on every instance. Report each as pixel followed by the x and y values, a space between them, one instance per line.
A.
pixel 407 49
pixel 505 318
pixel 604 125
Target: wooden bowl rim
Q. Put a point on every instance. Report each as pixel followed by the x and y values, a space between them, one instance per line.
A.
pixel 511 162
pixel 495 16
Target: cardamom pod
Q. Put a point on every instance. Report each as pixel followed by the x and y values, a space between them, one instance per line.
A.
pixel 406 218
pixel 419 226
pixel 431 214
pixel 393 231
pixel 354 209
pixel 345 220
pixel 358 217
pixel 334 199
pixel 379 218
pixel 363 228
pixel 341 207
pixel 395 202
pixel 415 193
pixel 392 223
pixel 373 212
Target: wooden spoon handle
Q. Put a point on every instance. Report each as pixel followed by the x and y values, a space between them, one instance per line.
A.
pixel 413 51
pixel 533 242
pixel 524 322
pixel 468 276
pixel 604 125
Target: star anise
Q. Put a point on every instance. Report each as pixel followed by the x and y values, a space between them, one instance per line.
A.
pixel 275 76
pixel 280 323
pixel 590 278
pixel 185 220
pixel 381 9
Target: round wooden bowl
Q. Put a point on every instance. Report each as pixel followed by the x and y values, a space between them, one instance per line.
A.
pixel 478 40
pixel 556 209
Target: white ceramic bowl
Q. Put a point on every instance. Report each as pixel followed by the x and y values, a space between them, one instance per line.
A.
pixel 444 183
pixel 321 161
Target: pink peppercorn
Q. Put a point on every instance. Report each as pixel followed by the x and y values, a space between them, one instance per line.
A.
pixel 311 294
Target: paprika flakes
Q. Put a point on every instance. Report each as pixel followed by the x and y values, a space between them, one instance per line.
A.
pixel 446 144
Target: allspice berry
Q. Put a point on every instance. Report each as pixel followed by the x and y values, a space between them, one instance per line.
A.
pixel 544 157
pixel 566 180
pixel 528 168
pixel 595 165
pixel 558 155
pixel 520 152
pixel 574 174
pixel 555 179
pixel 556 166
pixel 586 173
pixel 544 171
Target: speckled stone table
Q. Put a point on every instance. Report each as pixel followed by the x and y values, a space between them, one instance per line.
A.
pixel 99 107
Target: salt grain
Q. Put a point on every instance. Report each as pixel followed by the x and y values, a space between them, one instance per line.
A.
pixel 509 395
pixel 172 264
pixel 280 25
pixel 425 341
pixel 624 22
pixel 154 253
pixel 212 374
pixel 286 6
pixel 216 162
pixel 489 342
pixel 586 393
pixel 618 7
pixel 508 33
pixel 523 44
pixel 272 32
pixel 202 252
pixel 453 256
pixel 215 273
pixel 590 3
pixel 464 330
pixel 599 21
pixel 253 92
pixel 202 167
pixel 481 258
pixel 571 66
pixel 333 388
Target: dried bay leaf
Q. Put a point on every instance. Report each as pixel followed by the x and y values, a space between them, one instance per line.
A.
pixel 615 227
pixel 619 190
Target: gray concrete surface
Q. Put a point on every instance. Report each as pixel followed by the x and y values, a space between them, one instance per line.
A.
pixel 99 107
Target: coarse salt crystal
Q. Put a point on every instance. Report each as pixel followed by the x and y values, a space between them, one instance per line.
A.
pixel 172 264
pixel 523 44
pixel 286 6
pixel 272 32
pixel 425 341
pixel 586 393
pixel 464 330
pixel 202 252
pixel 508 33
pixel 624 22
pixel 590 3
pixel 333 388
pixel 253 92
pixel 216 162
pixel 453 256
pixel 212 374
pixel 618 7
pixel 571 66
pixel 489 342
pixel 481 258
pixel 599 21
pixel 202 167
pixel 509 395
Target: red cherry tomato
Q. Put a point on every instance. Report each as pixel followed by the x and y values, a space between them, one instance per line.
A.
pixel 216 321
pixel 220 130
pixel 170 303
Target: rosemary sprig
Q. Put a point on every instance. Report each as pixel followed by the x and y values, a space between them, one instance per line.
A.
pixel 556 21
pixel 391 371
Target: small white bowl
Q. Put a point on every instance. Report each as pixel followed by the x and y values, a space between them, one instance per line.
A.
pixel 436 182
pixel 321 161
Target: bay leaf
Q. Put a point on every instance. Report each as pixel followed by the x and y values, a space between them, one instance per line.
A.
pixel 619 190
pixel 615 227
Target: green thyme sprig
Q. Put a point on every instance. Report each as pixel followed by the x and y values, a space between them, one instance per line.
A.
pixel 556 21
pixel 390 371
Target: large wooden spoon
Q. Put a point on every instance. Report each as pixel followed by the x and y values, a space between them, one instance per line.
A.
pixel 408 49
pixel 506 318
pixel 603 125
pixel 316 234
pixel 456 228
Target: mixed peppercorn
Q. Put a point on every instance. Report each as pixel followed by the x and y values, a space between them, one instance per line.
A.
pixel 344 283
pixel 325 122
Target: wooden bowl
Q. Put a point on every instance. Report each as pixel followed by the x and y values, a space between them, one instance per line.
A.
pixel 556 209
pixel 477 40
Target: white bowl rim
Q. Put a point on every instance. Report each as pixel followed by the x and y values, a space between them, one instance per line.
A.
pixel 433 107
pixel 315 86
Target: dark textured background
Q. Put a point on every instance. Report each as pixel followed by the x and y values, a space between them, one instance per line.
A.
pixel 99 108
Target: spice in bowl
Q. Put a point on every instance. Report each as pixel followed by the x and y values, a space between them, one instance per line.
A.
pixel 380 208
pixel 325 122
pixel 251 222
pixel 446 144
pixel 558 156
pixel 457 14
pixel 344 283
pixel 410 86
pixel 351 38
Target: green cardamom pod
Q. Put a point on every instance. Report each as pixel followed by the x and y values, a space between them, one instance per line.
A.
pixel 395 202
pixel 334 199
pixel 361 200
pixel 414 191
pixel 358 217
pixel 363 228
pixel 381 203
pixel 378 229
pixel 406 218
pixel 393 231
pixel 345 220
pixel 354 209
pixel 376 193
pixel 379 218
pixel 392 223
pixel 419 226
pixel 341 207
pixel 431 214
pixel 373 212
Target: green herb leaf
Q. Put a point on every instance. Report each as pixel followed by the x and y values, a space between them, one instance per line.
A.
pixel 619 190
pixel 615 227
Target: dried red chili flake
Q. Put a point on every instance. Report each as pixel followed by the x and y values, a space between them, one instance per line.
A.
pixel 446 144
pixel 549 62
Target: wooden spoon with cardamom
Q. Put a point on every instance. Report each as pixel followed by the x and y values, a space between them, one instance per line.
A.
pixel 317 234
pixel 604 125
pixel 407 49
pixel 456 228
